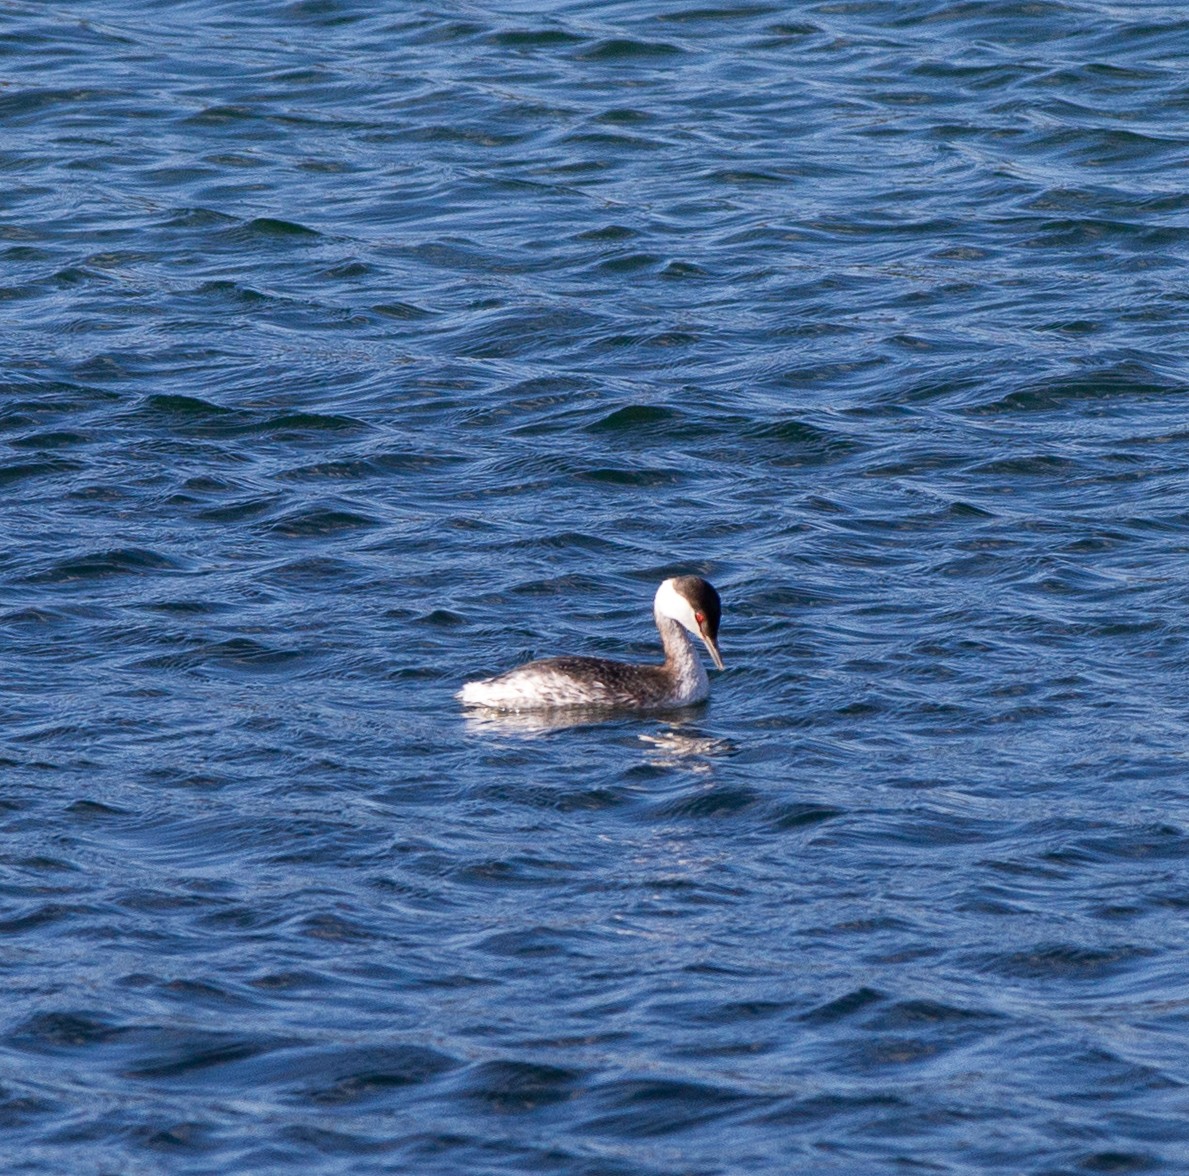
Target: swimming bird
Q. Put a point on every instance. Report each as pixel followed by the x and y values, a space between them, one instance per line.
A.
pixel 683 603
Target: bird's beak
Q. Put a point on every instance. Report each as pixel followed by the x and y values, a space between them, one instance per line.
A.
pixel 712 645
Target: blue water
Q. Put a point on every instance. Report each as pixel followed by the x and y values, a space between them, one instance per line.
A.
pixel 352 350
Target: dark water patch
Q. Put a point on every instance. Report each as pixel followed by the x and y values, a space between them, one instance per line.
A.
pixel 748 1010
pixel 1094 391
pixel 624 117
pixel 609 232
pixel 1033 465
pixel 46 865
pixel 320 522
pixel 316 569
pixel 219 116
pixel 681 270
pixel 94 810
pixel 534 942
pixel 636 478
pixel 1119 1077
pixel 332 928
pixel 351 1076
pixel 527 39
pixel 924 1013
pixel 62 1032
pixel 518 1087
pixel 1158 842
pixel 236 294
pixel 658 1107
pixel 20 1109
pixel 709 803
pixel 30 102
pixel 622 264
pixel 272 227
pixel 189 415
pixel 197 218
pixel 597 545
pixel 53 439
pixel 522 871
pixel 628 50
pixel 50 917
pixel 241 511
pixel 1116 1160
pixel 12 472
pixel 401 311
pixel 636 419
pixel 836 1108
pixel 35 403
pixel 174 1055
pixel 715 14
pixel 442 616
pixel 844 1007
pixel 235 653
pixel 799 815
pixel 884 1054
pixel 295 426
pixel 101 565
pixel 1063 961
pixel 795 443
pixel 609 141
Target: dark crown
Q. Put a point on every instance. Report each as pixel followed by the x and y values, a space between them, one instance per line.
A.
pixel 703 598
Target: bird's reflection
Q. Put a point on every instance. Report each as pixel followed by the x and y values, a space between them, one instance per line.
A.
pixel 679 746
pixel 676 743
pixel 539 722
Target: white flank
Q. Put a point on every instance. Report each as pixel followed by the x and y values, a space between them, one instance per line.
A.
pixel 532 688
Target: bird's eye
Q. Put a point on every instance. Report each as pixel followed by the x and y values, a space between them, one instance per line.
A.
pixel 699 617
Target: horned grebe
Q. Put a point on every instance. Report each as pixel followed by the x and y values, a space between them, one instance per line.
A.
pixel 685 602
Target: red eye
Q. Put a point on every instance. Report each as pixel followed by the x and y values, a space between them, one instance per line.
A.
pixel 699 617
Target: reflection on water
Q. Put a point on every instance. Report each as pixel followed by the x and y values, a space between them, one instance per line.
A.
pixel 529 723
pixel 677 744
pixel 686 748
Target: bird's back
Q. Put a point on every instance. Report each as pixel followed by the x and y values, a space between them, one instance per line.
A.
pixel 576 681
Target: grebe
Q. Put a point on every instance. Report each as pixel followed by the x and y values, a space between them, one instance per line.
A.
pixel 683 603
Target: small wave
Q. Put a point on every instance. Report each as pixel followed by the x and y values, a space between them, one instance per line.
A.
pixel 628 49
pixel 21 471
pixel 641 477
pixel 518 1087
pixel 1065 962
pixel 535 38
pixel 339 1076
pixel 51 1032
pixel 700 802
pixel 651 1107
pixel 268 226
pixel 321 522
pixel 1092 389
pixel 126 561
pixel 234 653
pixel 636 418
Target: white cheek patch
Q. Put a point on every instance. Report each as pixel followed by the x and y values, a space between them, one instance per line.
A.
pixel 670 603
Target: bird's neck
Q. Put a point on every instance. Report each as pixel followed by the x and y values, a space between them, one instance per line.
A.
pixel 681 658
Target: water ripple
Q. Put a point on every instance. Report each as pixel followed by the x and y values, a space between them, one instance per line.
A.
pixel 352 353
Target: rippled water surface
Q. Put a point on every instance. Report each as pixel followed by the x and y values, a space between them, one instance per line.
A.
pixel 353 349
